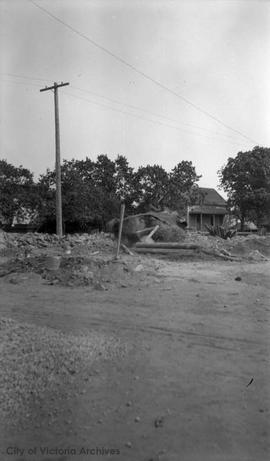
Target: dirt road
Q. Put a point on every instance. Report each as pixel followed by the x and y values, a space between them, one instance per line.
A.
pixel 193 384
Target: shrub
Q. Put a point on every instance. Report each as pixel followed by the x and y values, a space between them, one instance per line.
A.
pixel 219 231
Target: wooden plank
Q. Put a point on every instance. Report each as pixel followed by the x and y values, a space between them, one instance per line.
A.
pixel 122 213
pixel 153 232
pixel 172 245
pixel 126 249
pixel 175 251
pixel 145 230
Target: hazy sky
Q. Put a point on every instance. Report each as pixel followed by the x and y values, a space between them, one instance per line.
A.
pixel 214 54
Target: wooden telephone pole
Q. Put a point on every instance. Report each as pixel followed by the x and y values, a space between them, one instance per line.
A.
pixel 59 223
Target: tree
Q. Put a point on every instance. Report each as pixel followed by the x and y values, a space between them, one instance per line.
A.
pixel 88 192
pixel 246 179
pixel 125 182
pixel 182 187
pixel 18 197
pixel 151 184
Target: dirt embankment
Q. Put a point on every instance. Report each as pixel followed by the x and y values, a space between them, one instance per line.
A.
pixel 78 260
pixel 89 260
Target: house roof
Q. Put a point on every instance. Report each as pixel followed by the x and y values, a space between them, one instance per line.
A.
pixel 211 197
pixel 210 209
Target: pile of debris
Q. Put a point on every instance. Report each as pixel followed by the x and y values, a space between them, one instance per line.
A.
pixel 86 258
pixel 153 226
pixel 99 272
pixel 37 243
pixel 251 247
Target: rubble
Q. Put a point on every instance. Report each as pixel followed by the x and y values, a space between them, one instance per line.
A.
pixel 99 272
pixel 65 244
pixel 242 247
pixel 88 259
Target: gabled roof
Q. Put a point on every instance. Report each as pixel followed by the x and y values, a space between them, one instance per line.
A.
pixel 211 197
pixel 209 209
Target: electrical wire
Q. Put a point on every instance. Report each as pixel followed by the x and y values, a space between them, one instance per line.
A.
pixel 126 112
pixel 20 83
pixel 8 74
pixel 115 101
pixel 143 74
pixel 142 118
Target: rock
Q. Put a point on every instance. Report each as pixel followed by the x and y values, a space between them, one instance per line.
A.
pixel 128 444
pixel 84 269
pixel 139 268
pixel 99 286
pixel 159 422
pixel 257 256
pixel 20 278
pixel 238 279
pixel 137 419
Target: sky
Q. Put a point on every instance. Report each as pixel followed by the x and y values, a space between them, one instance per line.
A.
pixel 158 81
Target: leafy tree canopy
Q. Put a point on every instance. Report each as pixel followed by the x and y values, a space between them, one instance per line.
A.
pixel 183 188
pixel 17 192
pixel 246 179
pixel 93 190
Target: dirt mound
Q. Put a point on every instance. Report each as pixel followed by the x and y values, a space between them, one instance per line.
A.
pixel 166 233
pixel 12 244
pixel 246 247
pixel 74 271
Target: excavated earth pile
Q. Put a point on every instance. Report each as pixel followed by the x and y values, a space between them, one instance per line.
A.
pixel 252 247
pixel 73 261
pixel 88 260
pixel 75 271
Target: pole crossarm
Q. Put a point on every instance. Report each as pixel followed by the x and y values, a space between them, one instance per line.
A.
pixel 56 85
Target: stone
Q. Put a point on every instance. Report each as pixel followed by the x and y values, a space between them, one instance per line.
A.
pixel 139 268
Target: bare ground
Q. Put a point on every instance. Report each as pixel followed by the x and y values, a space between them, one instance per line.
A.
pixel 191 380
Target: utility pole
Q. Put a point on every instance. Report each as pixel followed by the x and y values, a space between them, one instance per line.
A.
pixel 59 223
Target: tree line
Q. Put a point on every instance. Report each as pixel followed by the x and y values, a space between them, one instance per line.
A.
pixel 93 190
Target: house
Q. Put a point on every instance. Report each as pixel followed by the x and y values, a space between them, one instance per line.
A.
pixel 209 210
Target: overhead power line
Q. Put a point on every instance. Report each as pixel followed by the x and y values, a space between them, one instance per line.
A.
pixel 116 101
pixel 139 72
pixel 144 118
pixel 25 77
pixel 20 83
pixel 211 132
pixel 113 100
